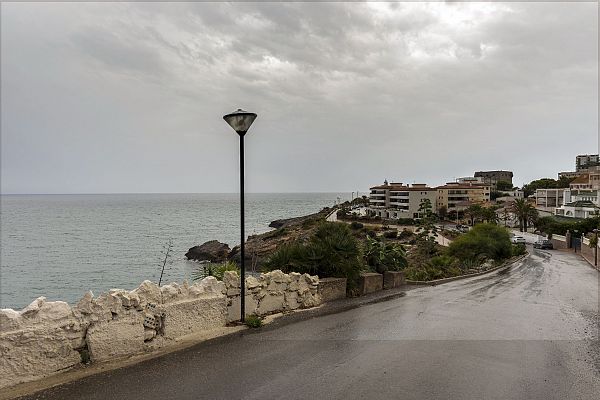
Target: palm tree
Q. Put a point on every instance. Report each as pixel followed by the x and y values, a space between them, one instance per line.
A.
pixel 525 212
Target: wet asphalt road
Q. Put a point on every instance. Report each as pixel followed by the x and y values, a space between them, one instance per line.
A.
pixel 530 333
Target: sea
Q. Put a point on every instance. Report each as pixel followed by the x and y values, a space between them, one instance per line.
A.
pixel 61 246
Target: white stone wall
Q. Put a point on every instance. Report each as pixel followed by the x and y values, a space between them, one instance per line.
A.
pixel 49 336
pixel 271 293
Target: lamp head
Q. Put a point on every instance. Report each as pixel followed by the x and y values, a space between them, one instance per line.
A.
pixel 240 120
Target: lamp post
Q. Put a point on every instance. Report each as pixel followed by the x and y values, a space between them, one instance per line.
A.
pixel 240 121
pixel 596 248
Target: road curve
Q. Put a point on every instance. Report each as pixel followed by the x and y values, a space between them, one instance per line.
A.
pixel 529 333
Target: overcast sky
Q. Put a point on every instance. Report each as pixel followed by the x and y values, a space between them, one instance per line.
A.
pixel 112 97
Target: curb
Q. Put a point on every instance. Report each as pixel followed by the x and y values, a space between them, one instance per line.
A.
pixel 435 282
pixel 333 307
pixel 597 268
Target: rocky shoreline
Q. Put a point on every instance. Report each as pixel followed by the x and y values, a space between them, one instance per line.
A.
pixel 259 247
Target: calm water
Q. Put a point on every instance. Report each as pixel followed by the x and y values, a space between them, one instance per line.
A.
pixel 59 246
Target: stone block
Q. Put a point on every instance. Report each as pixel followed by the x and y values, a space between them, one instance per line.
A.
pixel 271 303
pixel 119 337
pixel 332 288
pixel 370 282
pixel 233 310
pixel 33 353
pixel 193 315
pixel 393 279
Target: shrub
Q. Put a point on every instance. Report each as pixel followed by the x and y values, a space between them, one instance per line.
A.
pixel 518 249
pixel 276 233
pixel 331 252
pixel 405 221
pixel 443 261
pixel 383 256
pixel 216 270
pixel 405 234
pixel 356 225
pixel 371 233
pixel 482 241
pixel 390 234
pixel 253 321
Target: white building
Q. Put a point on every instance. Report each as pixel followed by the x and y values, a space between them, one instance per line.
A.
pixel 396 200
pixel 549 199
pixel 579 209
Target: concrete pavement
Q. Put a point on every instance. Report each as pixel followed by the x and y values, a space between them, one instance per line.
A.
pixel 528 333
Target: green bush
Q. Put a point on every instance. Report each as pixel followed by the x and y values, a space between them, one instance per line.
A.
pixel 390 234
pixel 405 234
pixel 356 225
pixel 405 221
pixel 371 233
pixel 482 241
pixel 331 252
pixel 253 321
pixel 216 270
pixel 383 256
pixel 518 249
pixel 443 261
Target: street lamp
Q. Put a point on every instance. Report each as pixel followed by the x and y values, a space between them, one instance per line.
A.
pixel 596 248
pixel 240 121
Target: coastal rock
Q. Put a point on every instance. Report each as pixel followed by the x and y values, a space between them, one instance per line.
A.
pixel 213 251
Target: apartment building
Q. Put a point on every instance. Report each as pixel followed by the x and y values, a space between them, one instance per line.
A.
pixel 584 161
pixel 397 200
pixel 582 182
pixel 457 196
pixel 493 177
pixel 549 198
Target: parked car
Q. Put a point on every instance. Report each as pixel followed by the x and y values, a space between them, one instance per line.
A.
pixel 543 244
pixel 518 239
pixel 462 228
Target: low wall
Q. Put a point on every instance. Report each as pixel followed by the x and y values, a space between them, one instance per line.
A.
pixel 271 293
pixel 393 279
pixel 332 289
pixel 588 252
pixel 47 337
pixel 370 282
pixel 559 242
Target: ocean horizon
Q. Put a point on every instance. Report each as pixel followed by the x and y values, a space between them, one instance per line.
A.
pixel 62 245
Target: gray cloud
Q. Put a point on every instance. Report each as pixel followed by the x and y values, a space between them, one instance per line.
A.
pixel 111 97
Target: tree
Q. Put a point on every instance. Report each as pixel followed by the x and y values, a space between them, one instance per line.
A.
pixel 474 212
pixel 546 183
pixel 525 212
pixel 425 208
pixel 489 215
pixel 443 212
pixel 503 185
pixel 483 241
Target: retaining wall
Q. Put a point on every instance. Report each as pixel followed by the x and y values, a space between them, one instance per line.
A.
pixel 332 289
pixel 271 293
pixel 370 282
pixel 47 337
pixel 559 242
